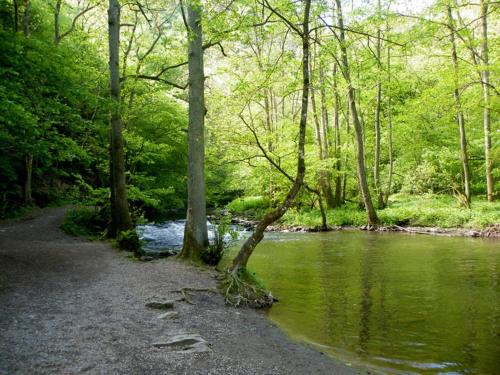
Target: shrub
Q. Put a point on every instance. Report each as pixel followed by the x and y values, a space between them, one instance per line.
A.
pixel 214 252
pixel 86 222
pixel 129 240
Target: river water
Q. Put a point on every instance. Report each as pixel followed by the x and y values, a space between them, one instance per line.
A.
pixel 391 302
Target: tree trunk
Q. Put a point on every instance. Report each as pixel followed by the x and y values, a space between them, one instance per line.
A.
pixel 57 18
pixel 26 17
pixel 195 233
pixel 120 214
pixel 338 199
pixel 324 176
pixel 389 131
pixel 246 250
pixel 378 100
pixel 363 182
pixel 485 78
pixel 28 173
pixel 459 113
pixel 16 15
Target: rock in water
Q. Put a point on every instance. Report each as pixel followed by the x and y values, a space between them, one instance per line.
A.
pixel 183 342
pixel 163 305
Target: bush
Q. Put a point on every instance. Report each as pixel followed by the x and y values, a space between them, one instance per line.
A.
pixel 214 252
pixel 129 240
pixel 85 222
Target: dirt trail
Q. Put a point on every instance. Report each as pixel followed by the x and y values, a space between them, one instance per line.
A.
pixel 70 306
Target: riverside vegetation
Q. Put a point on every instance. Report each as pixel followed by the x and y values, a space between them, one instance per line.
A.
pixel 313 113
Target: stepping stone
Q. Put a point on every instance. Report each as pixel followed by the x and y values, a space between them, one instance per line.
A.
pixel 183 342
pixel 169 315
pixel 162 305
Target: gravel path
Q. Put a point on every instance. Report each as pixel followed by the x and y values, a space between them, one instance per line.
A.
pixel 70 306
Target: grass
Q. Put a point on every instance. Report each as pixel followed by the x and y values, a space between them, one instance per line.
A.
pixel 425 211
pixel 249 207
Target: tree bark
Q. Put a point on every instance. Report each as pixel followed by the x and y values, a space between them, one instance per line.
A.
pixel 338 199
pixel 389 131
pixel 16 15
pixel 378 100
pixel 360 156
pixel 195 233
pixel 57 18
pixel 26 17
pixel 485 78
pixel 241 260
pixel 120 214
pixel 28 173
pixel 458 111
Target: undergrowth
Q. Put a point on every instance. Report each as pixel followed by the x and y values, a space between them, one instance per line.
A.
pixel 404 210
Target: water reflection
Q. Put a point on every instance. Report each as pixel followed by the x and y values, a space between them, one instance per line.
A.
pixel 400 303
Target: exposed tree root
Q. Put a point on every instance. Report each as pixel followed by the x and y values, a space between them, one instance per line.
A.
pixel 241 289
pixel 187 290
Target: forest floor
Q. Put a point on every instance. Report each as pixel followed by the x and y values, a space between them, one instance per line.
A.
pixel 72 306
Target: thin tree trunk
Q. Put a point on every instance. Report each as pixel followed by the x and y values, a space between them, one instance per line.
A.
pixel 120 214
pixel 378 100
pixel 240 261
pixel 389 131
pixel 348 137
pixel 324 176
pixel 26 17
pixel 459 113
pixel 28 173
pixel 16 15
pixel 57 26
pixel 28 158
pixel 338 199
pixel 485 75
pixel 195 233
pixel 363 182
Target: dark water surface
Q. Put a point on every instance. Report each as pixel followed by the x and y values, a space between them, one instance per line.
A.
pixel 392 302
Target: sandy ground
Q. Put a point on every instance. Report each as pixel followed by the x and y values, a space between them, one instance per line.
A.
pixel 71 306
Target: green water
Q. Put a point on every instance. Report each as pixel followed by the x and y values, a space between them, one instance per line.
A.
pixel 390 302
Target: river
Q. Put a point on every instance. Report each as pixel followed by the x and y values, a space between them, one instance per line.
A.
pixel 391 302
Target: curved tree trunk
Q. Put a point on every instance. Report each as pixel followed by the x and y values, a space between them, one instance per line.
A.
pixel 120 214
pixel 195 233
pixel 360 156
pixel 248 247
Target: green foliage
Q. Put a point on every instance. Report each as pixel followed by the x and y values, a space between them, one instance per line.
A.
pixel 252 206
pixel 215 251
pixel 408 210
pixel 129 240
pixel 85 222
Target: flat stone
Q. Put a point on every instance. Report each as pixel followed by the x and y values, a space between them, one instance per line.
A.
pixel 169 315
pixel 183 342
pixel 162 305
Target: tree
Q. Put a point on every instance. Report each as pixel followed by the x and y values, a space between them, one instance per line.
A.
pixel 195 233
pixel 120 214
pixel 360 156
pixel 458 110
pixel 241 259
pixel 485 75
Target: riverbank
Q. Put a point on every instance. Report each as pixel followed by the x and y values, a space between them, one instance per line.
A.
pixel 435 215
pixel 73 306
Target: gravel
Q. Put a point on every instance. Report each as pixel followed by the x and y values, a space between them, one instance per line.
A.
pixel 69 306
